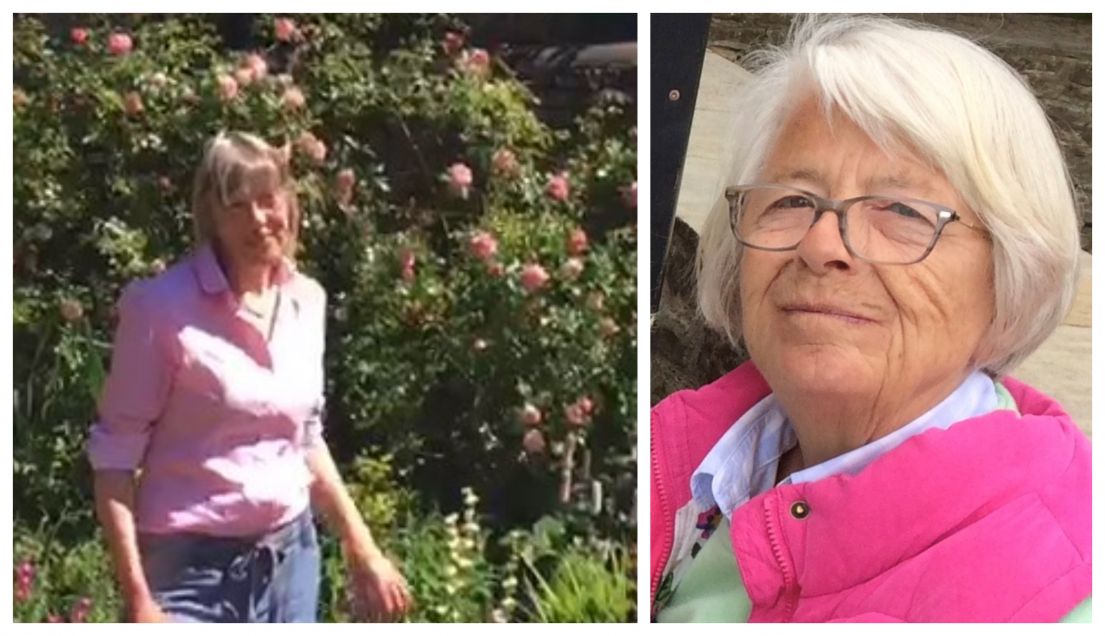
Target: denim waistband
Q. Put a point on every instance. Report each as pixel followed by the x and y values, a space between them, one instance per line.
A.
pixel 298 531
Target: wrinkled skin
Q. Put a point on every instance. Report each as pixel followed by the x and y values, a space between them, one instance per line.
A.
pixel 875 346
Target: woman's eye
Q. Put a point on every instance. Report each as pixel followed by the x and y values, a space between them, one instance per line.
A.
pixel 900 209
pixel 792 202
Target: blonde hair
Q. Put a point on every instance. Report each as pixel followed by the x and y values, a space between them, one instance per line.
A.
pixel 232 163
pixel 960 107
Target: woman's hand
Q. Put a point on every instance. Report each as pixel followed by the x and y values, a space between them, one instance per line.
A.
pixel 379 591
pixel 146 611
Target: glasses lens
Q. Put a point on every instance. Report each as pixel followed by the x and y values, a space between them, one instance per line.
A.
pixel 883 230
pixel 772 218
pixel 892 230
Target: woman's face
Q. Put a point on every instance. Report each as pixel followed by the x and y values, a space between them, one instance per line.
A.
pixel 255 226
pixel 823 324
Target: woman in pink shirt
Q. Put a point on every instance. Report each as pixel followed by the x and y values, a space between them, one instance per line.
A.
pixel 208 450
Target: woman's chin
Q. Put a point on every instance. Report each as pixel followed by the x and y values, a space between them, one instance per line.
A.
pixel 267 251
pixel 821 370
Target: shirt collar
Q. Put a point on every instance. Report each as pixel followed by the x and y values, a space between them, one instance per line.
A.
pixel 213 280
pixel 743 463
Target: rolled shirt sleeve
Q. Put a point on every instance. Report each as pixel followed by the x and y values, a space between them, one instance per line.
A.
pixel 137 387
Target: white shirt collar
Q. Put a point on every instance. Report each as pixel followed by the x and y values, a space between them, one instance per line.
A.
pixel 743 463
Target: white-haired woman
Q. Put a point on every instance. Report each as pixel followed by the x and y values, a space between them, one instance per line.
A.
pixel 898 234
pixel 208 450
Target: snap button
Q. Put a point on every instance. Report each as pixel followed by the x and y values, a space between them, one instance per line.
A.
pixel 799 510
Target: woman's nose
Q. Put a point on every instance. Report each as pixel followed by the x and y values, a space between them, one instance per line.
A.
pixel 257 213
pixel 822 248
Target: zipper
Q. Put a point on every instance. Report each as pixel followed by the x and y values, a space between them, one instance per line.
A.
pixel 661 496
pixel 778 550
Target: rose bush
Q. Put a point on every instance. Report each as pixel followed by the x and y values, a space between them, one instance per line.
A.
pixel 480 269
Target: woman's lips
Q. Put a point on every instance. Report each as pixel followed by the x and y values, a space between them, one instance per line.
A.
pixel 826 310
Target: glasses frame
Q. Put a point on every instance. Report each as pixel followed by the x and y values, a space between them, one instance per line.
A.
pixel 944 214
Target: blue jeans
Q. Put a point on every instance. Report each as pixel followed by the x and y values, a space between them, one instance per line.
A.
pixel 204 579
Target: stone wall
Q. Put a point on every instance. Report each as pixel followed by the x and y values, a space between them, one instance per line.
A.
pixel 1053 52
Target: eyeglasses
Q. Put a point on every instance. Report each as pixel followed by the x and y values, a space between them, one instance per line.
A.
pixel 877 229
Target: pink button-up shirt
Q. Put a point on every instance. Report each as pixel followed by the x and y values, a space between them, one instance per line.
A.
pixel 215 416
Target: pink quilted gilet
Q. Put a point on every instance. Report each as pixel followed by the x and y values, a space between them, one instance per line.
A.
pixel 988 520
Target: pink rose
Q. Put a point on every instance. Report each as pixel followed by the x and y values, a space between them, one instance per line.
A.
pixel 406 264
pixel 284 29
pixel 228 88
pixel 26 571
pixel 311 146
pixel 243 76
pixel 53 618
pixel 574 415
pixel 629 195
pixel 571 269
pixel 346 179
pixel 257 65
pixel 579 412
pixel 475 62
pixel 343 185
pixel 452 42
pixel 577 242
pixel 71 310
pixel 533 442
pixel 479 61
pixel 558 187
pixel 459 177
pixel 25 579
pixel 293 98
pixel 496 270
pixel 530 415
pixel 483 246
pixel 608 328
pixel 79 612
pixel 78 35
pixel 119 44
pixel 479 57
pixel 596 300
pixel 318 151
pixel 534 277
pixel 504 162
pixel 132 104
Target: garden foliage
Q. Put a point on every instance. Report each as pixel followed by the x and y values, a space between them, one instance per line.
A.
pixel 480 270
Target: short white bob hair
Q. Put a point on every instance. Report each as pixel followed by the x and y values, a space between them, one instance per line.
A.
pixel 950 102
pixel 235 163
